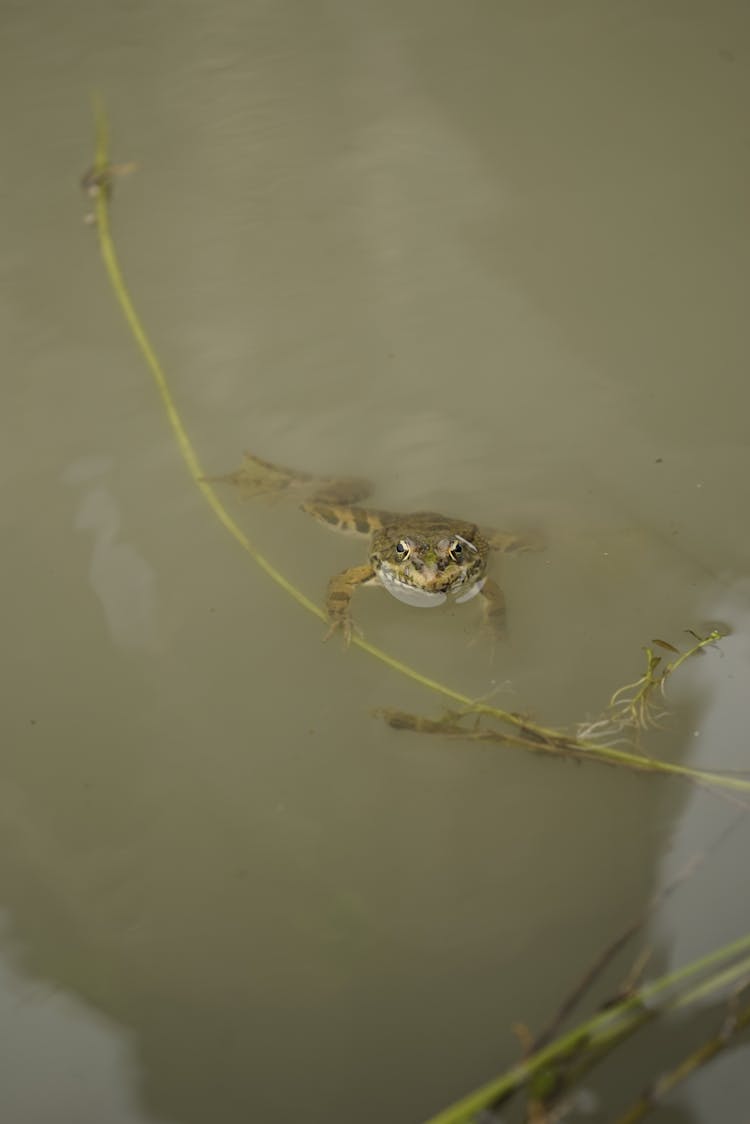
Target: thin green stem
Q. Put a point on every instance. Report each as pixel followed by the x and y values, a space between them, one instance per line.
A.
pixel 594 1032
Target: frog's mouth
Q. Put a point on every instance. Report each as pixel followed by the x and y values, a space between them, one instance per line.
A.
pixel 425 598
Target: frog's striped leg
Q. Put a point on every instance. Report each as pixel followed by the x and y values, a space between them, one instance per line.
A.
pixel 340 590
pixel 341 516
pixel 493 603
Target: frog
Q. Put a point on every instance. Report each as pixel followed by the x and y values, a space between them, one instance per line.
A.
pixel 422 558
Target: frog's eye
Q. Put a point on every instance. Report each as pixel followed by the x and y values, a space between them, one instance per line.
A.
pixel 402 550
pixel 459 549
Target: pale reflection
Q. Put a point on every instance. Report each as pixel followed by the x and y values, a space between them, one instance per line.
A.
pixel 87 1062
pixel 122 579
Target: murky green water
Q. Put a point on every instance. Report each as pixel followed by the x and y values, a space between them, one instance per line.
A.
pixel 495 258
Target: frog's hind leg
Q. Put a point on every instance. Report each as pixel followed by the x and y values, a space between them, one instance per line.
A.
pixel 343 516
pixel 340 490
pixel 336 503
pixel 510 542
pixel 258 477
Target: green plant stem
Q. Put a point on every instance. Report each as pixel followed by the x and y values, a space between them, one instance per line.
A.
pixel 693 1061
pixel 596 1032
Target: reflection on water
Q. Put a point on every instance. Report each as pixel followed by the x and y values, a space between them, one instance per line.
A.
pixel 62 1060
pixel 494 262
pixel 121 578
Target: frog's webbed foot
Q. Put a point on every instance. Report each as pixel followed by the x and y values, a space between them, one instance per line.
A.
pixel 338 601
pixel 258 477
pixel 510 542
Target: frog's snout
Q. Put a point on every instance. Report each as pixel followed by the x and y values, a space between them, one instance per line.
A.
pixel 430 572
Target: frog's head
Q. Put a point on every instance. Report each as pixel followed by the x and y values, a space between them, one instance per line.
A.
pixel 424 561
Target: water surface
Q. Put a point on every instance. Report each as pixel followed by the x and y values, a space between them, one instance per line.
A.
pixel 495 258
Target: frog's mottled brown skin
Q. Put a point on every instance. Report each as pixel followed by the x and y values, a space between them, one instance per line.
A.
pixel 424 553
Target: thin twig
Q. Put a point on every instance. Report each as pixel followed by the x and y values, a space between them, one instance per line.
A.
pixel 732 1026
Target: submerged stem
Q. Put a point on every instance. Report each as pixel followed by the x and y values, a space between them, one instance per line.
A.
pixel 599 1031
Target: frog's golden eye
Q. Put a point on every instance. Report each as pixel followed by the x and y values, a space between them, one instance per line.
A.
pixel 459 549
pixel 402 550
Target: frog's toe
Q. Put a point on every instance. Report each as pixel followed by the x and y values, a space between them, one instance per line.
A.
pixel 347 628
pixel 333 628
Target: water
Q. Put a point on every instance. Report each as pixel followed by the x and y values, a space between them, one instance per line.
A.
pixel 494 258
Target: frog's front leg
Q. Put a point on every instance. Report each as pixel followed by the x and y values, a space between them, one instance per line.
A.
pixel 493 604
pixel 340 590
